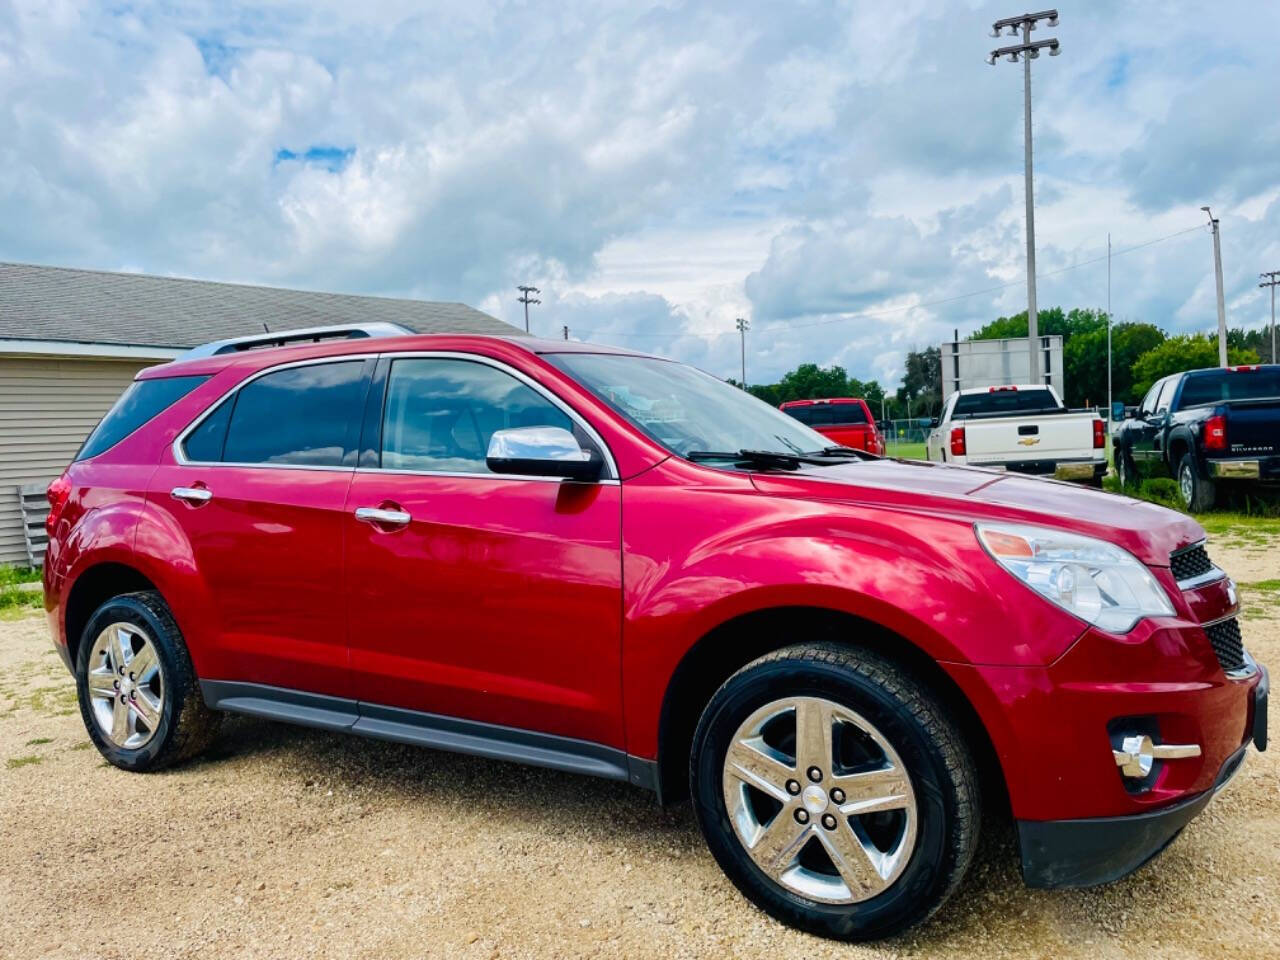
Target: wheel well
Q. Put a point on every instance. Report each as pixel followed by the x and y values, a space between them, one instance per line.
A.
pixel 93 588
pixel 734 644
pixel 1177 450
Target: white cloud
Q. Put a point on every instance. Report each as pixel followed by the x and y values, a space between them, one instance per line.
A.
pixel 842 174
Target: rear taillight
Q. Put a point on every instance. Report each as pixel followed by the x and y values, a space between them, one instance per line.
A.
pixel 59 493
pixel 957 441
pixel 1215 433
pixel 1099 435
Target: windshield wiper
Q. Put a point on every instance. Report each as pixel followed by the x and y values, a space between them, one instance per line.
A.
pixel 851 453
pixel 776 459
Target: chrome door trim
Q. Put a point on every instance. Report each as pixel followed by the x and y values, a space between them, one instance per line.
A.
pixel 176 447
pixel 378 515
pixel 611 466
pixel 192 494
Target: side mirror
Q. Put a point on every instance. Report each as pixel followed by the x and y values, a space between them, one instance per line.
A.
pixel 541 452
pixel 934 421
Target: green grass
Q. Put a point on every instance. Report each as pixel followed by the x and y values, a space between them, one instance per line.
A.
pixel 908 451
pixel 38 741
pixel 13 763
pixel 16 602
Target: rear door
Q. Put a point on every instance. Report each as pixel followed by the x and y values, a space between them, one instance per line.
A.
pixel 258 486
pixel 487 597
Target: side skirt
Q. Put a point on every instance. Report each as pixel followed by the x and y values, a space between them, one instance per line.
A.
pixel 430 730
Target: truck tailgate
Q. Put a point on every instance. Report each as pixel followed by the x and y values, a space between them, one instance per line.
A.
pixel 1253 427
pixel 1058 436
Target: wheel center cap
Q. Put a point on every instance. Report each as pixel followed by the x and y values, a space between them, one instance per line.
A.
pixel 814 798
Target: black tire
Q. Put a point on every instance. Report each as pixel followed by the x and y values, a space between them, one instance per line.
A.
pixel 1197 492
pixel 186 726
pixel 1125 471
pixel 908 715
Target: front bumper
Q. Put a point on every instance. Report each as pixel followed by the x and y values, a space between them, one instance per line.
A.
pixel 1086 852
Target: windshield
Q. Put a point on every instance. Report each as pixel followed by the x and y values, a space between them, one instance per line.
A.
pixel 1003 402
pixel 1230 385
pixel 685 409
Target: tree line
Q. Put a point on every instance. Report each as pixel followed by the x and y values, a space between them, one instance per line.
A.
pixel 1141 353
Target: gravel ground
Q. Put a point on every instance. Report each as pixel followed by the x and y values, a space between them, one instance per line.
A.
pixel 291 843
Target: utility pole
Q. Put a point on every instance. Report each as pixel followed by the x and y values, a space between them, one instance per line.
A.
pixel 743 326
pixel 1217 273
pixel 1272 279
pixel 1108 328
pixel 566 332
pixel 1028 51
pixel 526 300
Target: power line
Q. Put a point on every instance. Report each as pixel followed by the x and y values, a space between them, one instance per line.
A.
pixel 526 300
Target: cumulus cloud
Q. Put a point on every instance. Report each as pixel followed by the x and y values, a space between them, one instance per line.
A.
pixel 847 176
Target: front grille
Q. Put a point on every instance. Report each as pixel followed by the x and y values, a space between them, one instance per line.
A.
pixel 1190 563
pixel 1227 643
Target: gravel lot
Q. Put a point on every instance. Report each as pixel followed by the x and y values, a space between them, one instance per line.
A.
pixel 285 842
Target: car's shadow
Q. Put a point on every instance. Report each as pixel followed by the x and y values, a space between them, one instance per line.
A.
pixel 991 906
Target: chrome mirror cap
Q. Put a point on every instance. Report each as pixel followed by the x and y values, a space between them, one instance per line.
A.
pixel 541 452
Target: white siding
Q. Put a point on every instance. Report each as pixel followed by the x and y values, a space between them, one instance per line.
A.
pixel 47 408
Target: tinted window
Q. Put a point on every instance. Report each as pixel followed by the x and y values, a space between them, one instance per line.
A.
pixel 142 401
pixel 1004 402
pixel 827 414
pixel 1148 404
pixel 1228 385
pixel 1166 394
pixel 440 414
pixel 299 415
pixel 204 443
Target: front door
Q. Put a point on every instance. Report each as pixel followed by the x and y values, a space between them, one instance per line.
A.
pixel 259 491
pixel 470 594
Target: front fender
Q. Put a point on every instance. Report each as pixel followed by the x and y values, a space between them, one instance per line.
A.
pixel 919 576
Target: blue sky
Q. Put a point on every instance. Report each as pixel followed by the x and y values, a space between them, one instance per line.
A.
pixel 847 175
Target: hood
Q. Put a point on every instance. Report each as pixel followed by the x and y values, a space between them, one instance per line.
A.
pixel 1148 531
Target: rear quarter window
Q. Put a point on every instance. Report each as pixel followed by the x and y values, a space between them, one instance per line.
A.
pixel 1004 402
pixel 141 402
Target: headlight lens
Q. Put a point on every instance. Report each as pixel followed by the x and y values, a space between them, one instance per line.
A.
pixel 1095 580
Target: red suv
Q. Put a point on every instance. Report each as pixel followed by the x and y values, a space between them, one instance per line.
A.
pixel 613 564
pixel 845 420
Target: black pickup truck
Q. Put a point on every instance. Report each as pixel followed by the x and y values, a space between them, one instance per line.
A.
pixel 1203 427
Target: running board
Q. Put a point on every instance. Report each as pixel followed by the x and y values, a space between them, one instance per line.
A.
pixel 429 730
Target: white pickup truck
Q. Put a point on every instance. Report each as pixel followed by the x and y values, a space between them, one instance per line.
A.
pixel 1024 429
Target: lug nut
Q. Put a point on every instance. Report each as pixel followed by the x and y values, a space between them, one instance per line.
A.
pixel 117 683
pixel 802 816
pixel 815 774
pixel 837 795
pixel 828 821
pixel 793 787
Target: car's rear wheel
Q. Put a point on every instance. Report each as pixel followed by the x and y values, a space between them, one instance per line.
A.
pixel 138 694
pixel 1197 492
pixel 834 792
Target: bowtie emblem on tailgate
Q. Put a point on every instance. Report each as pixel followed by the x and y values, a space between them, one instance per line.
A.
pixel 1028 441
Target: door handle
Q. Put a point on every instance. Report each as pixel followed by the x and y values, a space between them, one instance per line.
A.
pixel 378 515
pixel 196 495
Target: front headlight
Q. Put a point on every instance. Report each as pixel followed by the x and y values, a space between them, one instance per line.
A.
pixel 1095 580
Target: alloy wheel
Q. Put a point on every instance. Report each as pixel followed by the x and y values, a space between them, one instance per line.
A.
pixel 820 800
pixel 125 685
pixel 1186 485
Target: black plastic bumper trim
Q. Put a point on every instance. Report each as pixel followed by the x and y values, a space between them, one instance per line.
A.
pixel 1085 853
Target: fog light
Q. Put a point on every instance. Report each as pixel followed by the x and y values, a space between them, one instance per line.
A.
pixel 1138 754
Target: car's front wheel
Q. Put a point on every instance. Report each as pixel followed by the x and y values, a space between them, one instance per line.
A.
pixel 138 693
pixel 1125 472
pixel 834 792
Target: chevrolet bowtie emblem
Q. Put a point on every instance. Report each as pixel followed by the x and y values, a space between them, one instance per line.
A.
pixel 1029 441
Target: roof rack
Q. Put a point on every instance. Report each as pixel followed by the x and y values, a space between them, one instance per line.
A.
pixel 281 338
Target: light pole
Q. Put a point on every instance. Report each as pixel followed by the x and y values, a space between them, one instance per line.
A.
pixel 743 326
pixel 526 300
pixel 1272 279
pixel 1109 418
pixel 1217 274
pixel 1028 51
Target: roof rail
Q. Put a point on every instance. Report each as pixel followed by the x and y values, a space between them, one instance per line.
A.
pixel 346 331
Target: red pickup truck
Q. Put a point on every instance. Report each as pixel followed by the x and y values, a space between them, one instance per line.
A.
pixel 845 420
pixel 613 564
